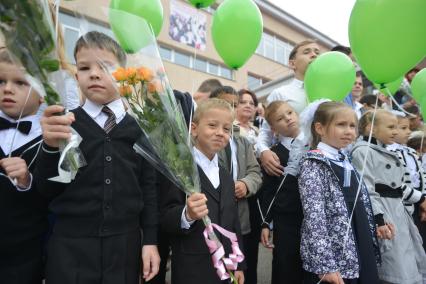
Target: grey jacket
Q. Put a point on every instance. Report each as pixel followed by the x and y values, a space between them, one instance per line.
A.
pixel 248 172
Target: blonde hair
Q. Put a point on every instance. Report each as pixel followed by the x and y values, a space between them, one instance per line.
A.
pixel 367 119
pixel 208 105
pixel 272 108
pixel 325 114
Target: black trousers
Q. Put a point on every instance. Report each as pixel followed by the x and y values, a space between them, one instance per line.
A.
pixel 251 242
pixel 164 251
pixel 96 260
pixel 29 272
pixel 286 261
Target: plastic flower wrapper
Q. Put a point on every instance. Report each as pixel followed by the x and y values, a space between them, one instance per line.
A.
pixel 27 29
pixel 146 91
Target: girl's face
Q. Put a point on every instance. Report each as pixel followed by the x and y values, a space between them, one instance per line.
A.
pixel 403 131
pixel 341 131
pixel 386 128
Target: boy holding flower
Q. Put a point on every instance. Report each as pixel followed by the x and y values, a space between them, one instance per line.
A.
pixel 181 216
pixel 100 214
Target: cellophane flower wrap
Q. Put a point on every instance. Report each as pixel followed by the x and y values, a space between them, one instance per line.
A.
pixel 27 29
pixel 144 86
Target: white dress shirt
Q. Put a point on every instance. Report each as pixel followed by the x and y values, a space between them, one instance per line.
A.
pixel 293 93
pixel 6 136
pixel 94 110
pixel 333 154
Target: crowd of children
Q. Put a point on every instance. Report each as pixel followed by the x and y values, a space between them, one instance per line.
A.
pixel 333 207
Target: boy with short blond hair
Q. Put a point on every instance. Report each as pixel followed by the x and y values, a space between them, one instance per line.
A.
pixel 23 210
pixel 100 214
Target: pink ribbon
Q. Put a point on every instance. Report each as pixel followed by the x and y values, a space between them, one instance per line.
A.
pixel 218 252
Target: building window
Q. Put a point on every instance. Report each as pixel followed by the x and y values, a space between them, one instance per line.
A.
pixel 200 65
pixel 226 72
pixel 182 59
pixel 253 81
pixel 196 63
pixel 274 48
pixel 165 53
pixel 71 35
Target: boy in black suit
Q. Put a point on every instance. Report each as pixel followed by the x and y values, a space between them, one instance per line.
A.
pixel 181 216
pixel 100 214
pixel 286 210
pixel 23 211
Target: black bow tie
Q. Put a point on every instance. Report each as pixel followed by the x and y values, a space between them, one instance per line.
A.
pixel 341 156
pixel 24 126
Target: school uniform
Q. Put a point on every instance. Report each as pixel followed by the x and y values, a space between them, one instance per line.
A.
pixel 403 258
pixel 238 158
pixel 328 186
pixel 286 215
pixel 96 237
pixel 23 211
pixel 191 259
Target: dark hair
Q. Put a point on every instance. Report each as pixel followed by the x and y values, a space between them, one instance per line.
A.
pixel 209 86
pixel 325 114
pixel 248 92
pixel 415 140
pixel 412 109
pixel 299 45
pixel 370 100
pixel 343 49
pixel 100 40
pixel 223 90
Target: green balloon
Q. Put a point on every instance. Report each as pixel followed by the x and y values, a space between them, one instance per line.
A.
pixel 134 35
pixel 330 76
pixel 418 87
pixel 387 37
pixel 150 10
pixel 392 86
pixel 201 3
pixel 237 30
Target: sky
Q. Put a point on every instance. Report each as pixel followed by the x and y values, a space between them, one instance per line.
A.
pixel 330 17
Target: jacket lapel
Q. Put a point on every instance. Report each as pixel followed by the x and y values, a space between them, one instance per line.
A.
pixel 207 186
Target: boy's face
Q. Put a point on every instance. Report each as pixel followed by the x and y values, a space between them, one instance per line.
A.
pixel 93 74
pixel 212 132
pixel 304 56
pixel 285 121
pixel 403 131
pixel 14 90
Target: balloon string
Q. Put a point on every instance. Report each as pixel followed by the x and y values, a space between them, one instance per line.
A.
pixel 396 103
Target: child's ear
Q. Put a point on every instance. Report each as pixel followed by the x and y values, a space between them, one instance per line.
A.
pixel 291 64
pixel 319 129
pixel 193 129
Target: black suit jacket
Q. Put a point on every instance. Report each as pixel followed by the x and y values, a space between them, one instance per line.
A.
pixel 191 260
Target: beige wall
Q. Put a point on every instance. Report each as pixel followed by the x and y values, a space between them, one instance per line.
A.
pixel 186 79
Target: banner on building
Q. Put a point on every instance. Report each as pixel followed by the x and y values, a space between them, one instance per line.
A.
pixel 187 25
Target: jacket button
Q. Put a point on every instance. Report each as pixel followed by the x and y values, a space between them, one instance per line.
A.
pixel 105 229
pixel 393 184
pixel 388 166
pixel 108 158
pixel 108 139
pixel 107 206
pixel 107 181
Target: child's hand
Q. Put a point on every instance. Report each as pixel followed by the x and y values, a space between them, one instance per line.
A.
pixel 16 168
pixel 240 189
pixel 239 275
pixel 333 278
pixel 264 237
pixel 56 127
pixel 386 232
pixel 196 206
pixel 150 262
pixel 271 163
